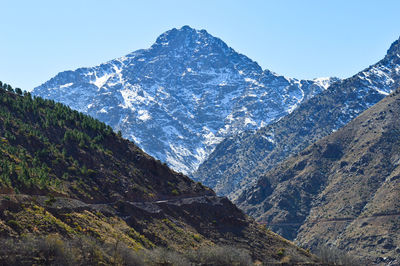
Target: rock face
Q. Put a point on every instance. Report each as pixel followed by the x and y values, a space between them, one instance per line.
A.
pixel 241 159
pixel 343 190
pixel 182 96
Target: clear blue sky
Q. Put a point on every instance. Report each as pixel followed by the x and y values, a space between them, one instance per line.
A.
pixel 301 39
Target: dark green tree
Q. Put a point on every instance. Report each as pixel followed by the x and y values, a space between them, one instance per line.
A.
pixel 9 88
pixel 18 91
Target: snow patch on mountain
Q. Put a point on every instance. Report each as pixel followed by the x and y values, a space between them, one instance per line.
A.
pixel 324 82
pixel 66 85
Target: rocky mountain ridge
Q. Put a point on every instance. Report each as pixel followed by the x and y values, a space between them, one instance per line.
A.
pixel 182 96
pixel 241 159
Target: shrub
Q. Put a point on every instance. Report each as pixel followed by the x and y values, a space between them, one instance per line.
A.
pixel 335 256
pixel 221 255
pixel 39 251
pixel 14 225
pixel 162 256
pixel 126 256
pixel 281 252
pixel 50 201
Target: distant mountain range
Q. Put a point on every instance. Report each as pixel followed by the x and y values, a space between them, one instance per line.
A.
pixel 181 97
pixel 241 159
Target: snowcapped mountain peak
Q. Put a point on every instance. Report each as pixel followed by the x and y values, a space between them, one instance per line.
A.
pixel 190 39
pixel 182 96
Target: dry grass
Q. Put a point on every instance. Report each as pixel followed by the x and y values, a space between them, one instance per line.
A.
pixel 55 250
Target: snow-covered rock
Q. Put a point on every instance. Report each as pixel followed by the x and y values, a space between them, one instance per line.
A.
pixel 181 97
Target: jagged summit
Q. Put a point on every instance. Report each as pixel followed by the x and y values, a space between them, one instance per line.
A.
pixel 182 96
pixel 189 40
pixel 184 33
pixel 187 37
pixel 196 49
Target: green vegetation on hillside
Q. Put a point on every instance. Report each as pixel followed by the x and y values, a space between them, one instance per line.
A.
pixel 48 148
pixel 32 157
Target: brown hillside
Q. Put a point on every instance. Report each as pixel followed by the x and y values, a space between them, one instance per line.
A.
pixel 343 190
